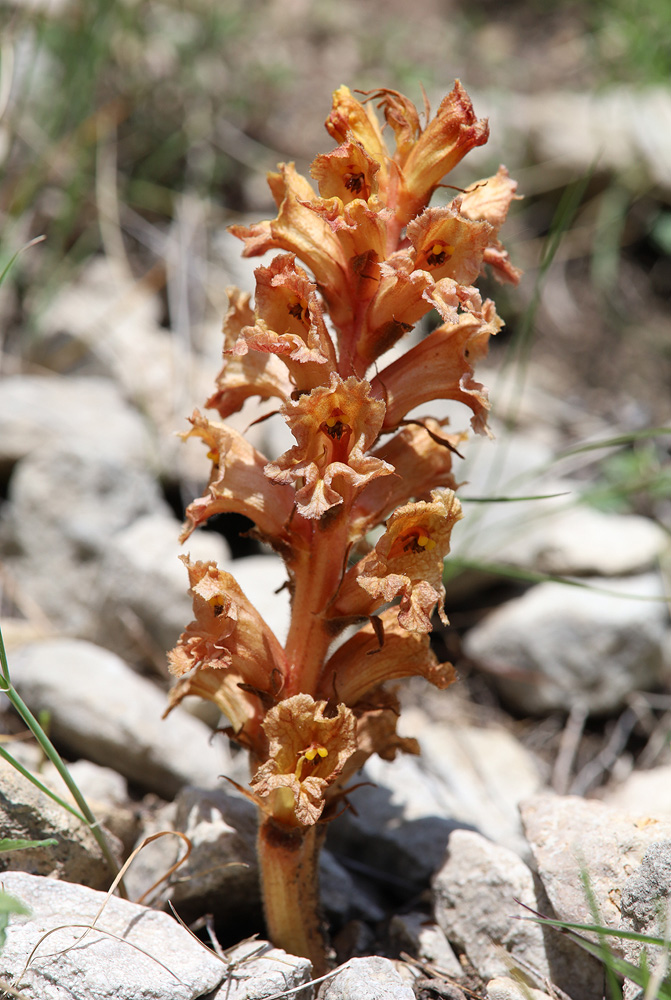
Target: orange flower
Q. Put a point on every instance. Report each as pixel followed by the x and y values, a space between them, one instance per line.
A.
pixel 307 752
pixel 237 483
pixel 243 374
pixel 226 646
pixel 441 365
pixel 489 200
pixel 334 426
pixel 407 562
pixel 375 655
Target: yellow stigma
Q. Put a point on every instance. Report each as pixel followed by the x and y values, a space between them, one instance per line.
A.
pixel 426 542
pixel 437 248
pixel 213 455
pixel 331 422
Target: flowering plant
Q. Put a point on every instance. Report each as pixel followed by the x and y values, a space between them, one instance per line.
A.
pixel 312 711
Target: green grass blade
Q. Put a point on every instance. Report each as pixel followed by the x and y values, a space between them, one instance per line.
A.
pixel 7 844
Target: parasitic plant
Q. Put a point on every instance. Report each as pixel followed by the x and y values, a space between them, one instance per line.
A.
pixel 311 711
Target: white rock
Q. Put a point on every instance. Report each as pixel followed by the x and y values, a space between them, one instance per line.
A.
pixel 263 580
pixel 570 836
pixel 103 710
pixel 257 970
pixel 474 897
pixel 27 813
pixel 131 952
pixel 372 978
pixel 221 874
pixel 64 507
pixel 575 644
pixel 503 988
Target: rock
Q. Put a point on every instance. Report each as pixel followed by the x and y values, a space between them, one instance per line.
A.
pixel 86 413
pixel 65 504
pixel 105 791
pixel 154 860
pixel 26 813
pixel 372 978
pixel 503 988
pixel 581 541
pixel 474 897
pixel 645 906
pixel 142 575
pixel 642 791
pixel 221 874
pixel 572 645
pixel 342 896
pixel 466 776
pixel 104 711
pixel 484 773
pixel 257 970
pixel 131 952
pixel 570 836
pixel 423 938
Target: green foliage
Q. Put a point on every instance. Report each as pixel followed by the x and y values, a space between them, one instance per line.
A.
pixel 21 845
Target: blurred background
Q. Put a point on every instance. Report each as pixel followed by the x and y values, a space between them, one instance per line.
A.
pixel 134 132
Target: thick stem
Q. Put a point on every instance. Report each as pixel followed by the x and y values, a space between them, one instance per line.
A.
pixel 317 577
pixel 288 863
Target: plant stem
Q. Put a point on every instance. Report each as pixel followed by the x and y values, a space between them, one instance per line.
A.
pixel 288 864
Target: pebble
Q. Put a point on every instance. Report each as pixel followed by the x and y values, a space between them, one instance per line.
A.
pixel 475 893
pixel 371 978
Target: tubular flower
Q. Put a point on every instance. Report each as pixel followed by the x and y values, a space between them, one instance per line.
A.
pixel 407 562
pixel 363 257
pixel 245 374
pixel 237 483
pixel 228 651
pixel 307 750
pixel 334 427
pixel 381 653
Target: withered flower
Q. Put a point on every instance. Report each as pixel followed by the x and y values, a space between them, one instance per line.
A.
pixel 334 426
pixel 407 562
pixel 307 752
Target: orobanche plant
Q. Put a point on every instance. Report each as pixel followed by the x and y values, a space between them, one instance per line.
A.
pixel 311 711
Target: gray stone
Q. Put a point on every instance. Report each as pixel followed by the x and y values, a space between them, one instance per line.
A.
pixel 221 874
pixel 257 970
pixel 142 576
pixel 425 939
pixel 475 895
pixel 131 952
pixel 65 504
pixel 575 644
pixel 26 813
pixel 372 978
pixel 342 897
pixel 104 711
pixel 646 908
pixel 575 839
